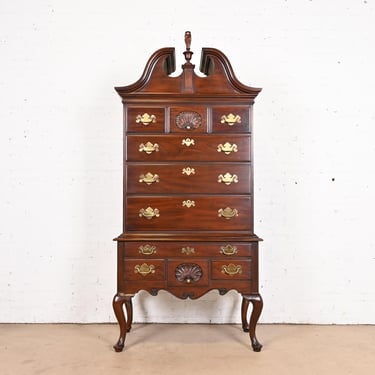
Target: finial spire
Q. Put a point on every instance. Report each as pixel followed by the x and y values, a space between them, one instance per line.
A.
pixel 188 54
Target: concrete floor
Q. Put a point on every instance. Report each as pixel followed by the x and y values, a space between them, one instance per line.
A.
pixel 74 349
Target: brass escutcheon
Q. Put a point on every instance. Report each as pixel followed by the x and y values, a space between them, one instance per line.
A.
pixel 148 148
pixel 227 212
pixel 144 269
pixel 227 148
pixel 145 119
pixel 188 203
pixel 188 142
pixel 231 269
pixel 188 250
pixel 188 171
pixel 228 250
pixel 147 249
pixel 149 178
pixel 227 179
pixel 231 119
pixel 149 213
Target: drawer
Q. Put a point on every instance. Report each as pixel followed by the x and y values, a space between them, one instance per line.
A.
pixel 221 178
pixel 188 249
pixel 189 119
pixel 197 212
pixel 231 119
pixel 192 273
pixel 231 269
pixel 140 269
pixel 151 148
pixel 146 119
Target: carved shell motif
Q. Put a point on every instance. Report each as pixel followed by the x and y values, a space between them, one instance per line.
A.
pixel 188 272
pixel 188 120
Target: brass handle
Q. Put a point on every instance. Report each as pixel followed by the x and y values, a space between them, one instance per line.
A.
pixel 227 179
pixel 144 269
pixel 188 250
pixel 147 249
pixel 188 171
pixel 228 250
pixel 149 178
pixel 145 119
pixel 231 119
pixel 149 213
pixel 188 142
pixel 227 212
pixel 148 148
pixel 227 148
pixel 231 269
pixel 188 203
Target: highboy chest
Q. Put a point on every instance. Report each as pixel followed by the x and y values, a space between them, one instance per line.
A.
pixel 188 186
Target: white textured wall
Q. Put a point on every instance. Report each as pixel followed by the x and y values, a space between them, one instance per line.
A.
pixel 60 152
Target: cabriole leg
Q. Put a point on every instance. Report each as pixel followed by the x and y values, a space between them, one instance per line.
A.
pixel 257 303
pixel 125 323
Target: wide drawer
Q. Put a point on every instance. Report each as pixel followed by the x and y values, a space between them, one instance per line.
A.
pixel 233 269
pixel 221 178
pixel 231 147
pixel 188 250
pixel 196 212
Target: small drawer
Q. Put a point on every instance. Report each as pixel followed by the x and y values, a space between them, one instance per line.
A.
pixel 231 119
pixel 188 119
pixel 145 120
pixel 190 273
pixel 231 269
pixel 141 269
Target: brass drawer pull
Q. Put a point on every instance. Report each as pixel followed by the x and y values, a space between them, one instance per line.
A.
pixel 227 148
pixel 149 213
pixel 231 119
pixel 149 148
pixel 188 250
pixel 188 203
pixel 228 250
pixel 149 178
pixel 227 179
pixel 227 212
pixel 145 119
pixel 144 269
pixel 188 171
pixel 231 269
pixel 147 249
pixel 188 142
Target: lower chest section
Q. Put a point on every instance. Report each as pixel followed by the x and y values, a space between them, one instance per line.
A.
pixel 187 269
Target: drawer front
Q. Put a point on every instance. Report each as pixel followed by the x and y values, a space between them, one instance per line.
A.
pixel 231 269
pixel 146 119
pixel 192 273
pixel 189 213
pixel 191 119
pixel 188 250
pixel 141 269
pixel 151 148
pixel 231 119
pixel 188 178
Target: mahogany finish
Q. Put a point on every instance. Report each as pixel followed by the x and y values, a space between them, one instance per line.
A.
pixel 188 186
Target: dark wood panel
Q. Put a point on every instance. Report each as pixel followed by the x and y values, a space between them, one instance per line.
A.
pixel 231 119
pixel 187 177
pixel 231 269
pixel 153 117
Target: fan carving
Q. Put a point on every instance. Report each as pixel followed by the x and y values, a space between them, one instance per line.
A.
pixel 188 120
pixel 188 273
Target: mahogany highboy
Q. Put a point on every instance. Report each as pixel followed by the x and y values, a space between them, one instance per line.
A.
pixel 188 186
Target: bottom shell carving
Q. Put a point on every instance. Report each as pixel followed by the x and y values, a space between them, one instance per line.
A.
pixel 188 272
